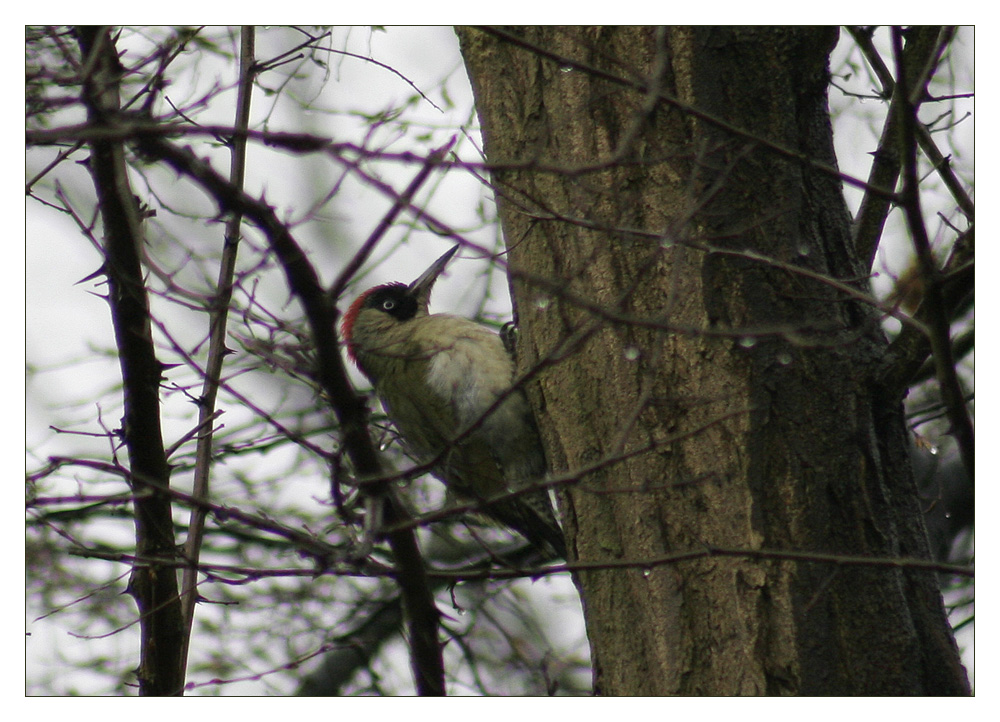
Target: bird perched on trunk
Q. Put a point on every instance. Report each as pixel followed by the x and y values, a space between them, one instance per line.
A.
pixel 445 382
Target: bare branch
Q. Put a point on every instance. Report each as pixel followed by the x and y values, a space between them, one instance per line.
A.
pixel 940 326
pixel 349 408
pixel 218 316
pixel 155 589
pixel 924 45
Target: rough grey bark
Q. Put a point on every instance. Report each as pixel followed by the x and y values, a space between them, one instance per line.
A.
pixel 703 369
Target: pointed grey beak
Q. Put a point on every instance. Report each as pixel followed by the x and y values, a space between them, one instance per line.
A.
pixel 421 288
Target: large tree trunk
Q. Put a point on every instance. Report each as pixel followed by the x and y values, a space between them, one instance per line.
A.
pixel 706 402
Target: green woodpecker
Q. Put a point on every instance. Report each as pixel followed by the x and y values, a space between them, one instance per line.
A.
pixel 445 383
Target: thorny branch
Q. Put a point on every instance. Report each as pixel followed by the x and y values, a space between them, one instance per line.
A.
pixel 349 408
pixel 130 127
pixel 218 315
pixel 153 586
pixel 924 46
pixel 940 323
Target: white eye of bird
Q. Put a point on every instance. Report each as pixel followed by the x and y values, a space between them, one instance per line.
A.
pixel 388 304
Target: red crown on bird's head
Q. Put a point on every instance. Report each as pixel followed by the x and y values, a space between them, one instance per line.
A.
pixel 347 325
pixel 417 292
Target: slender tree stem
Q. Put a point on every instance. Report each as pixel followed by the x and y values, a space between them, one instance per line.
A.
pixel 218 316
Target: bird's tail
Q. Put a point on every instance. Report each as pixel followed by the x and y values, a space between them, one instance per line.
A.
pixel 532 516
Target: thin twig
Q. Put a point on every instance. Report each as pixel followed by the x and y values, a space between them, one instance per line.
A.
pixel 402 201
pixel 350 409
pixel 940 327
pixel 218 317
pixel 924 46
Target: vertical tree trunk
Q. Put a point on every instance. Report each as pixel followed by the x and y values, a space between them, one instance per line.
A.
pixel 707 400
